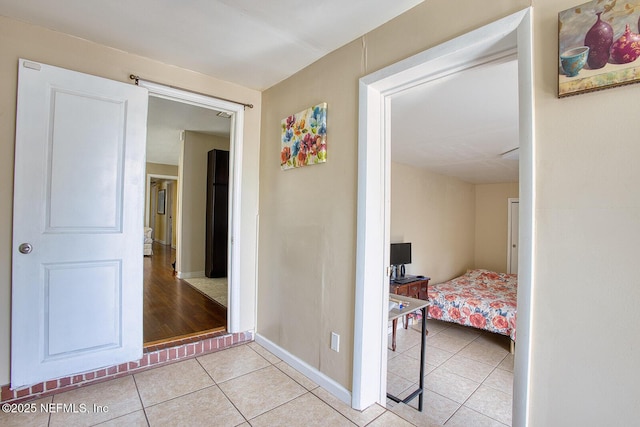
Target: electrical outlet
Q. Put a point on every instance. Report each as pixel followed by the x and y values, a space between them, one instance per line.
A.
pixel 335 342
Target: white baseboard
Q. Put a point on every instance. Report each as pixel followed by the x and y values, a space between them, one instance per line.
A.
pixel 315 375
pixel 189 274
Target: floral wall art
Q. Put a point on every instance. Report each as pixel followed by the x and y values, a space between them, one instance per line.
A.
pixel 304 138
pixel 598 46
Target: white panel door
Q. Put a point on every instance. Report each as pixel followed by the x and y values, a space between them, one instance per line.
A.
pixel 77 223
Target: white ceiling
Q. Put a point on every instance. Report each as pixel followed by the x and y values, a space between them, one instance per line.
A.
pixel 250 42
pixel 167 119
pixel 457 126
pixel 460 125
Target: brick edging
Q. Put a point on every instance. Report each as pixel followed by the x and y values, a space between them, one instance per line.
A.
pixel 151 358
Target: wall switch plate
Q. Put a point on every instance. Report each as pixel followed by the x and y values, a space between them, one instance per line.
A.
pixel 335 342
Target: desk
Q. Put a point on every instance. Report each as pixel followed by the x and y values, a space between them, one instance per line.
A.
pixel 412 305
pixel 417 289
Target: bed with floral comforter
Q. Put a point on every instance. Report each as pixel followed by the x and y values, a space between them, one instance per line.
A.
pixel 480 298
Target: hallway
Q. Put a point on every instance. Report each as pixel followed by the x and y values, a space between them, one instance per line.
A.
pixel 173 308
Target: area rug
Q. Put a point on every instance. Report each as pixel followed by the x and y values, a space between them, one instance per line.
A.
pixel 216 289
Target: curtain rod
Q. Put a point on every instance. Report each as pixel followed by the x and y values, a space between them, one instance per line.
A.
pixel 137 79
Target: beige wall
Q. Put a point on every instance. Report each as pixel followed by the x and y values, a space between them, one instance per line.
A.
pixel 38 44
pixel 308 221
pixel 436 214
pixel 193 181
pixel 307 243
pixel 162 169
pixel 585 352
pixel 492 218
pixel 452 225
pixel 583 369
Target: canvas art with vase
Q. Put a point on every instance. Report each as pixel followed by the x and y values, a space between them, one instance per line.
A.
pixel 598 46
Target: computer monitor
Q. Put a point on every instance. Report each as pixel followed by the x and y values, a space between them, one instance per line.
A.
pixel 400 255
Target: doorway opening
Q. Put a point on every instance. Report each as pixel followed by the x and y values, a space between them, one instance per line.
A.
pixel 510 34
pixel 173 309
pixel 162 223
pixel 182 127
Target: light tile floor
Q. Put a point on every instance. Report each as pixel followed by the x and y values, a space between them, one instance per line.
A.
pixel 468 383
pixel 468 376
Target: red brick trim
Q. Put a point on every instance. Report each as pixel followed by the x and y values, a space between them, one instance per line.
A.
pixel 153 356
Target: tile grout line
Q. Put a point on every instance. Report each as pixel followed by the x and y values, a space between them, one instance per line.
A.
pixel 223 393
pixel 181 396
pixel 239 376
pixel 49 416
pixel 477 412
pixel 307 391
pixel 144 410
pixel 438 366
pixel 150 360
pixel 481 383
pixel 286 375
pixel 294 380
pixel 336 409
pixel 463 404
pixel 381 414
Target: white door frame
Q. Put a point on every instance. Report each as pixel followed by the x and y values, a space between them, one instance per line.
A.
pixel 147 201
pixel 235 185
pixel 169 216
pixel 372 255
pixel 510 202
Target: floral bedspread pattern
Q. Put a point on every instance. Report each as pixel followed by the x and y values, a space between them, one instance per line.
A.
pixel 480 298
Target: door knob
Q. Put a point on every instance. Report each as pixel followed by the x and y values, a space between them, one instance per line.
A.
pixel 25 248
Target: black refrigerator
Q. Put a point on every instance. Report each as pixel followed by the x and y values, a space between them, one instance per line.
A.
pixel 217 223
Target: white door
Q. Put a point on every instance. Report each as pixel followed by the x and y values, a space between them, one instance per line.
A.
pixel 77 223
pixel 169 215
pixel 512 250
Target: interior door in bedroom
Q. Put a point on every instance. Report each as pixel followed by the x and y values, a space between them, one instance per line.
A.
pixel 512 250
pixel 77 223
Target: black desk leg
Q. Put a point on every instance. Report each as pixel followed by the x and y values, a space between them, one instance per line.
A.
pixel 420 390
pixel 422 353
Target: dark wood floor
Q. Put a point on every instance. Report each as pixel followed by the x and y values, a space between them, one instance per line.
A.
pixel 172 308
